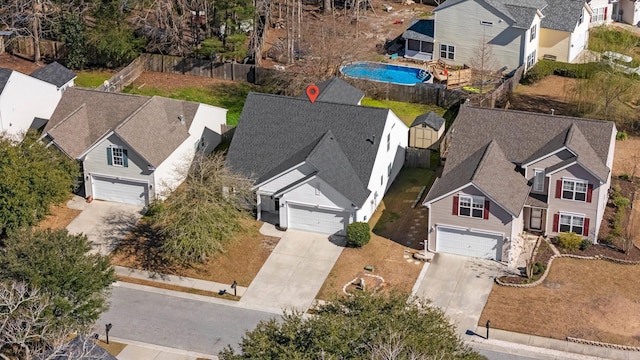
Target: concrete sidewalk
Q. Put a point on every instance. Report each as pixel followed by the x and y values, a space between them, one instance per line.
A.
pixel 178 280
pixel 136 350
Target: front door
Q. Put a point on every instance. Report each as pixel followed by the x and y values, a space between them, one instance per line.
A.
pixel 536 219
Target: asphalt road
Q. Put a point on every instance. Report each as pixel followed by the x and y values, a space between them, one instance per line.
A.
pixel 177 322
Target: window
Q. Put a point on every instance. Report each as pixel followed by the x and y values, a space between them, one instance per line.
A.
pixel 574 190
pixel 598 14
pixel 532 35
pixel 581 20
pixel 472 206
pixel 413 45
pixel 572 223
pixel 318 189
pixel 116 156
pixel 381 179
pixel 486 23
pixel 388 141
pixel 447 51
pixel 389 170
pixel 538 180
pixel 531 59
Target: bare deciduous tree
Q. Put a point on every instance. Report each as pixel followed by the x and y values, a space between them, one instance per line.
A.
pixel 484 64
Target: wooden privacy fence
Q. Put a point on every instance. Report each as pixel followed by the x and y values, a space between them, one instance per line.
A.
pixel 501 93
pixel 125 76
pixel 417 158
pixel 199 67
pixel 23 46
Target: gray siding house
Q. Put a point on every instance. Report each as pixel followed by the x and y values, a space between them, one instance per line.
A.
pixel 511 171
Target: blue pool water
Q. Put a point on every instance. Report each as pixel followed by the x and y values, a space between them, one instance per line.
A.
pixel 383 72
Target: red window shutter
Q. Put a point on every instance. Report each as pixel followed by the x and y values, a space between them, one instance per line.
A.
pixel 605 12
pixel 585 229
pixel 455 205
pixel 558 189
pixel 556 221
pixel 486 209
pixel 589 192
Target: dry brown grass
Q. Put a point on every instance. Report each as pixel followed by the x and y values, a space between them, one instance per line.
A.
pixel 589 299
pixel 387 258
pixel 114 348
pixel 189 290
pixel 60 216
pixel 243 258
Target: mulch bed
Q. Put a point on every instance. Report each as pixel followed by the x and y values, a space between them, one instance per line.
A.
pixel 544 253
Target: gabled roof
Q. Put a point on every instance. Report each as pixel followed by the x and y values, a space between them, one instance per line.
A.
pixel 521 12
pixel 489 171
pixel 336 90
pixel 150 125
pixel 420 29
pixel 563 15
pixel 521 135
pixel 431 119
pixel 4 77
pixel 278 132
pixel 54 73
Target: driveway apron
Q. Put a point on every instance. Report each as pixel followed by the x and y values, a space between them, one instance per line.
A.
pixel 295 271
pixel 460 286
pixel 105 223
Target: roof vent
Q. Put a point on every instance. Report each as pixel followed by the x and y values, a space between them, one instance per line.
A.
pixel 181 119
pixel 372 140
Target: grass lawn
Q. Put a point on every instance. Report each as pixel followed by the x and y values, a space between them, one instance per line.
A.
pixel 387 258
pixel 407 112
pixel 92 79
pixel 230 96
pixel 113 348
pixel 397 217
pixel 588 299
pixel 243 258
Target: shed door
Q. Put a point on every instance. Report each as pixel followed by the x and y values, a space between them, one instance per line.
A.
pixel 469 243
pixel 120 190
pixel 318 220
pixel 578 43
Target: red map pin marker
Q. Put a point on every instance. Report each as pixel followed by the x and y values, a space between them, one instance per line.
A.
pixel 312 92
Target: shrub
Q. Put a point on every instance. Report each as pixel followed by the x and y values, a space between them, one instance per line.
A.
pixel 585 244
pixel 625 177
pixel 539 268
pixel 620 201
pixel 544 68
pixel 358 234
pixel 617 222
pixel 569 241
pixel 621 135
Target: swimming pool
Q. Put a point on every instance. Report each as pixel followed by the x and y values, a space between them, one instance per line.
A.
pixel 396 74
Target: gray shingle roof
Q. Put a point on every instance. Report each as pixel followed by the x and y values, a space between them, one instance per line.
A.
pixel 488 170
pixel 54 73
pixel 275 129
pixel 562 15
pixel 431 119
pixel 336 90
pixel 4 77
pixel 149 124
pixel 420 29
pixel 521 12
pixel 520 136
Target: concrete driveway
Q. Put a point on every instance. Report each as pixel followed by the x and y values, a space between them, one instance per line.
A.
pixel 105 223
pixel 294 272
pixel 460 286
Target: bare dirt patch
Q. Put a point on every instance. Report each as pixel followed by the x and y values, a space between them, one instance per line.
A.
pixel 589 299
pixel 243 258
pixel 627 157
pixel 388 258
pixel 552 92
pixel 167 81
pixel 59 217
pixel 15 63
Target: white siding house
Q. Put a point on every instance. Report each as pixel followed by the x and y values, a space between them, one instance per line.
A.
pixel 601 12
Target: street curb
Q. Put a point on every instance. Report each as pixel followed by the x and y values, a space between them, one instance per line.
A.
pixel 165 349
pixel 517 348
pixel 420 278
pixel 196 297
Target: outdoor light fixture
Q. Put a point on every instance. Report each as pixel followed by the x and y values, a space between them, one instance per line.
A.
pixel 488 326
pixel 233 286
pixel 107 327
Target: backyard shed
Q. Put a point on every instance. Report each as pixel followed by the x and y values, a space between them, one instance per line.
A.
pixel 425 130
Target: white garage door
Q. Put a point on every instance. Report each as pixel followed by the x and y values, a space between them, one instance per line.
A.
pixel 469 243
pixel 318 220
pixel 120 190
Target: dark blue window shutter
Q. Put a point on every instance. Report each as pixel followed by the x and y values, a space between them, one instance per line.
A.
pixel 109 159
pixel 125 158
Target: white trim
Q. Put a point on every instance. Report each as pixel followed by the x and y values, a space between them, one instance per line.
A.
pixel 534 181
pixel 280 192
pixel 95 144
pixel 575 182
pixel 472 198
pixel 425 203
pixel 315 206
pixel 279 174
pixel 91 174
pixel 481 231
pixel 576 162
pixel 525 165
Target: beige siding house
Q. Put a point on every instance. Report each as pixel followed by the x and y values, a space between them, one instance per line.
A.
pixel 565 30
pixel 510 171
pixel 426 130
